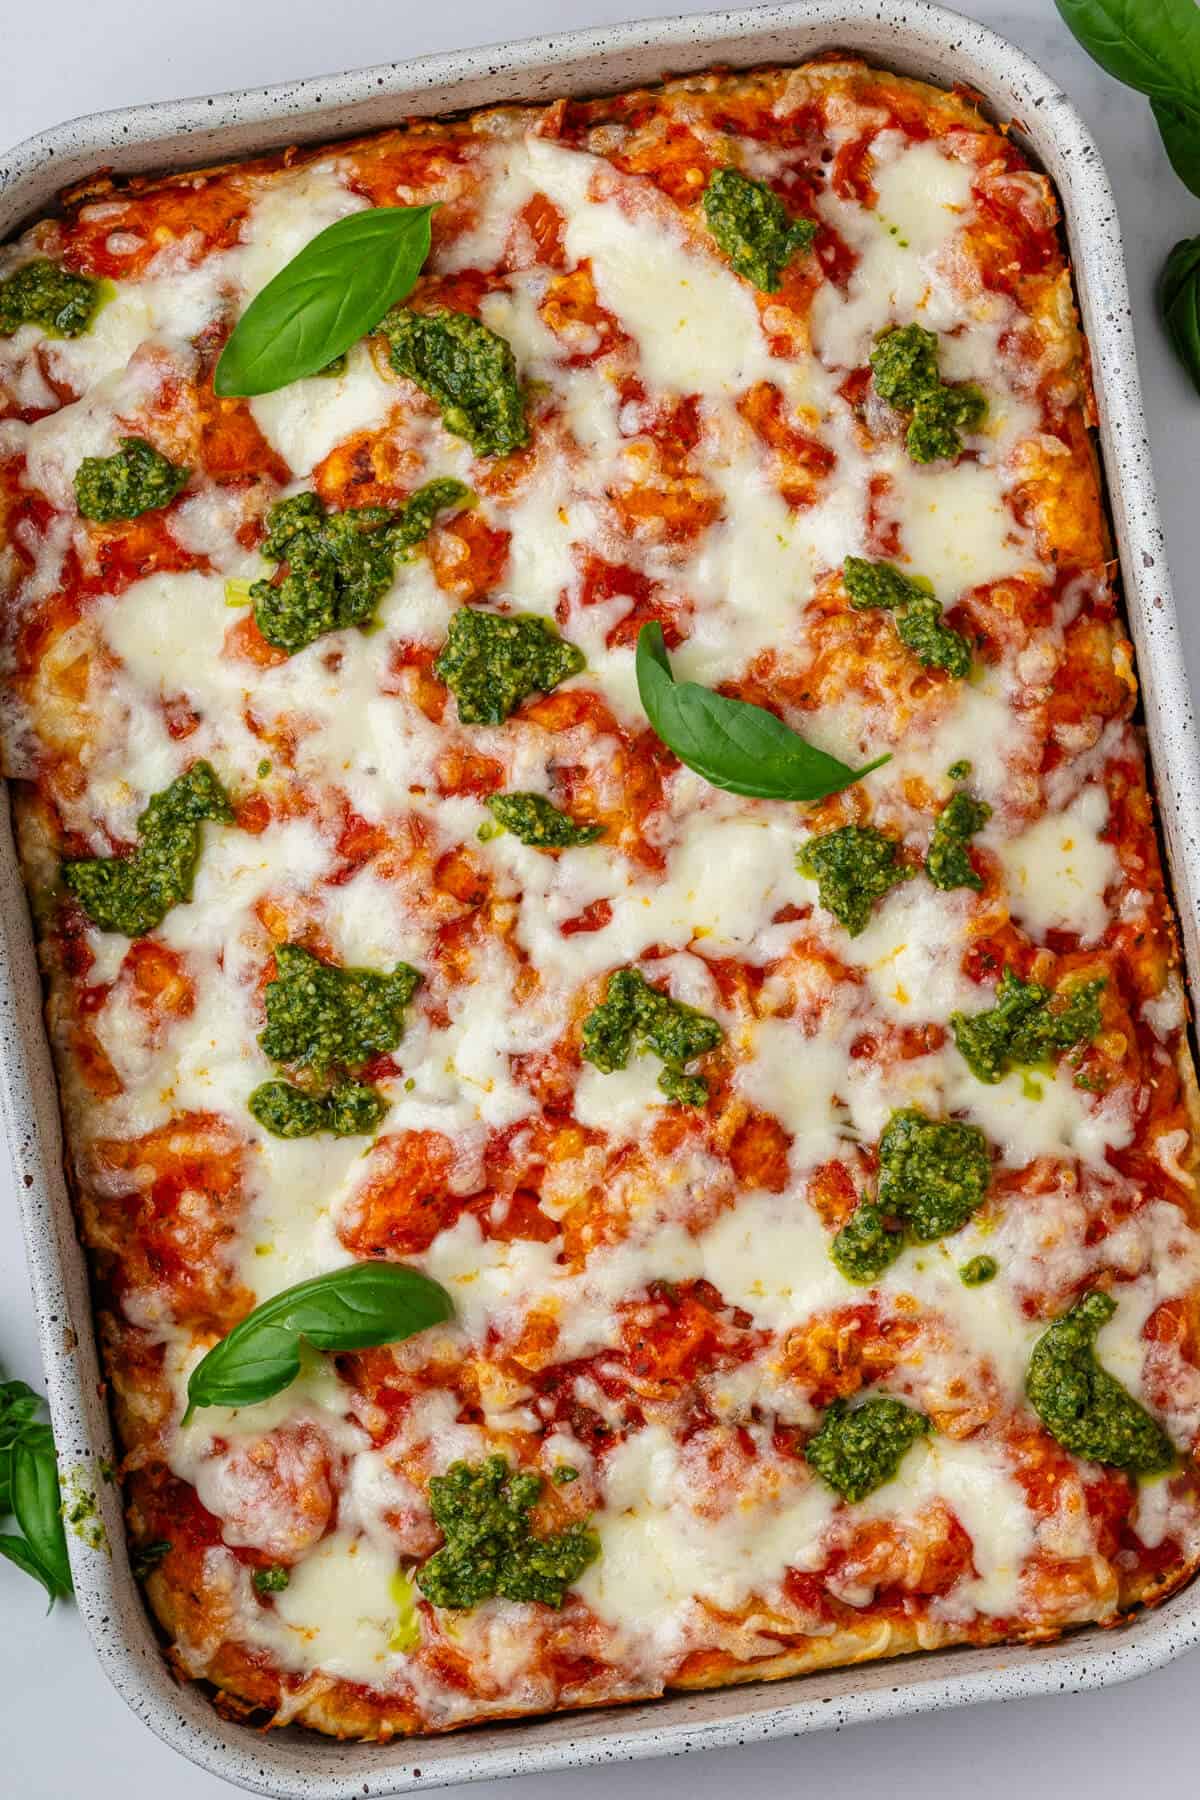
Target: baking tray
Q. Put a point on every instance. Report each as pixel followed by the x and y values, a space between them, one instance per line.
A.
pixel 916 39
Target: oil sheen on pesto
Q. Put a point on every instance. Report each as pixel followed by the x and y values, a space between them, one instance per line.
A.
pixel 754 228
pixel 1028 1024
pixel 1085 1407
pixel 915 612
pixel 133 894
pixel 635 1015
pixel 467 369
pixel 853 867
pixel 136 479
pixel 857 1449
pixel 904 362
pixel 491 1547
pixel 493 661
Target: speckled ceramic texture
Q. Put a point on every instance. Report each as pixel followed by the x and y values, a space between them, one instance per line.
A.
pixel 917 39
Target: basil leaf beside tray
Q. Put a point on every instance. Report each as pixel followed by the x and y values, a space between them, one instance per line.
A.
pixel 1150 45
pixel 29 1490
pixel 1154 47
pixel 1179 303
pixel 327 297
pixel 356 1308
pixel 1180 133
pixel 731 743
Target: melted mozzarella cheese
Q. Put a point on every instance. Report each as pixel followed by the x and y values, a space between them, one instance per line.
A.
pixel 339 1609
pixel 305 420
pixel 696 324
pixel 975 1481
pixel 797 1081
pixel 287 213
pixel 1058 871
pixel 923 196
pixel 660 1555
pixel 956 527
pixel 911 953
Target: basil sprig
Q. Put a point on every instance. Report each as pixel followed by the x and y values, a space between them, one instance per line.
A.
pixel 1153 46
pixel 1179 303
pixel 334 291
pixel 1179 129
pixel 731 743
pixel 29 1490
pixel 348 1309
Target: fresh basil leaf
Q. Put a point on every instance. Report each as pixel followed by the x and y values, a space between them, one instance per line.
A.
pixel 18 1552
pixel 1179 303
pixel 18 1404
pixel 1180 130
pixel 731 743
pixel 348 1309
pixel 1150 45
pixel 330 295
pixel 5 1481
pixel 37 1504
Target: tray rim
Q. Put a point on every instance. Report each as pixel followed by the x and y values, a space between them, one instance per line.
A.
pixel 915 35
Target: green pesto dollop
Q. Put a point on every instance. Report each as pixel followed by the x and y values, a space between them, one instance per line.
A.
pixel 754 228
pixel 880 584
pixel 1085 1407
pixel 938 421
pixel 933 1173
pixel 867 1244
pixel 467 369
pixel 904 362
pixel 858 1448
pixel 978 1270
pixel 133 894
pixel 42 293
pixel 917 615
pixel 321 1017
pixel 349 1109
pixel 935 645
pixel 271 1580
pixel 947 863
pixel 338 566
pixel 958 771
pixel 634 1013
pixel 493 661
pixel 491 1548
pixel 533 819
pixel 1028 1024
pixel 136 479
pixel 853 867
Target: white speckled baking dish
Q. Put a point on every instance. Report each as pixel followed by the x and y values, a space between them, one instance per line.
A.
pixel 917 39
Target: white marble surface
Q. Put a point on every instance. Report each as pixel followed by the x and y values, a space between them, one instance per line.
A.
pixel 65 1732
